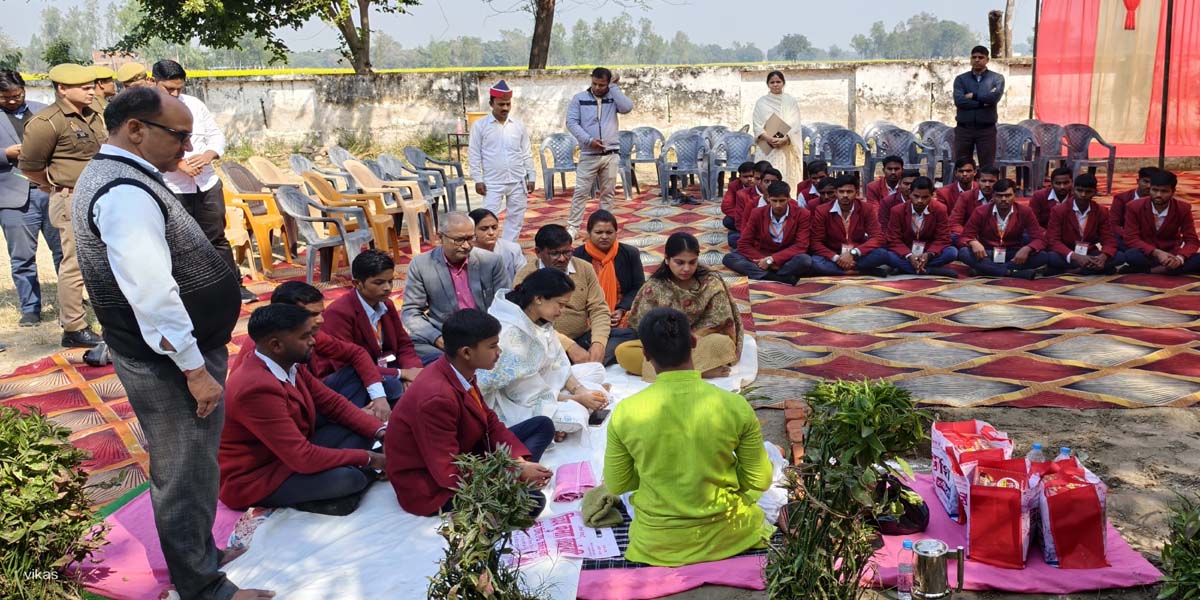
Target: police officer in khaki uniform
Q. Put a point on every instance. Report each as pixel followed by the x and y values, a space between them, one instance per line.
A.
pixel 133 75
pixel 106 86
pixel 59 141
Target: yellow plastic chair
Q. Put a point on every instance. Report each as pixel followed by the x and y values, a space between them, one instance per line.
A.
pixel 411 209
pixel 246 193
pixel 272 176
pixel 383 227
pixel 239 238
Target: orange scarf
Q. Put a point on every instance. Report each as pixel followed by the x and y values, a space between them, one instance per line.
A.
pixel 606 272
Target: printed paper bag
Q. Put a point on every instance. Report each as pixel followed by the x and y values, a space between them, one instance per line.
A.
pixel 950 442
pixel 1071 506
pixel 999 505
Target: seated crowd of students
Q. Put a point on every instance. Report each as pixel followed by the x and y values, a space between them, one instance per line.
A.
pixel 493 351
pixel 904 224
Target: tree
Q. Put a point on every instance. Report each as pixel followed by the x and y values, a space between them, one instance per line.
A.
pixel 10 54
pixel 793 46
pixel 921 36
pixel 217 25
pixel 59 52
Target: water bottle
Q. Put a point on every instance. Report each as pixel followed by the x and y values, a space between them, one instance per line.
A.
pixel 904 581
pixel 1064 453
pixel 1036 455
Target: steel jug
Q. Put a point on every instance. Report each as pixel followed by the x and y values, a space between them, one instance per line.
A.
pixel 929 572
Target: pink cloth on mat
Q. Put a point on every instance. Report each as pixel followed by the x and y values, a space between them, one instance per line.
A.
pixel 656 582
pixel 1128 567
pixel 133 567
pixel 572 480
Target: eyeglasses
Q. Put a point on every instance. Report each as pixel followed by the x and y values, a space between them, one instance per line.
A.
pixel 13 97
pixel 181 136
pixel 559 253
pixel 459 241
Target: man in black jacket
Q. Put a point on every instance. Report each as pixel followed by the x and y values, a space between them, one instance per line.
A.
pixel 976 94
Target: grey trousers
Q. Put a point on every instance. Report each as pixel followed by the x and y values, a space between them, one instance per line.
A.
pixel 183 468
pixel 593 170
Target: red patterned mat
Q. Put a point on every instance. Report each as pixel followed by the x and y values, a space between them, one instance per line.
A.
pixel 1126 341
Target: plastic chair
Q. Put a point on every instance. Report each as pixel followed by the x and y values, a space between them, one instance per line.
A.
pixel 733 149
pixel 270 175
pixel 647 142
pixel 1030 123
pixel 370 184
pixel 1079 140
pixel 337 178
pixel 903 143
pixel 625 164
pixel 421 162
pixel 295 204
pixel 942 142
pixel 239 237
pixel 262 215
pixel 819 129
pixel 428 181
pixel 383 227
pixel 690 151
pixel 561 147
pixel 1049 138
pixel 1016 148
pixel 840 147
pixel 872 136
pixel 924 128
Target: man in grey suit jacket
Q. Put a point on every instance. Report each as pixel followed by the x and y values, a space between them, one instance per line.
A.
pixel 24 209
pixel 445 280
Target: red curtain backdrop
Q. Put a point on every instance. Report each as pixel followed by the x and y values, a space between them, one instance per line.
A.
pixel 1066 44
pixel 1131 13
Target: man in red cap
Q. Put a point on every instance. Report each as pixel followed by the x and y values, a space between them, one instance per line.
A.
pixel 501 161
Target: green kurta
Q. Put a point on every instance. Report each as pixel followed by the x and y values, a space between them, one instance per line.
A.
pixel 693 456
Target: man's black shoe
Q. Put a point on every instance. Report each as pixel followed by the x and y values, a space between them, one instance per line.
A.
pixel 30 319
pixel 248 296
pixel 84 338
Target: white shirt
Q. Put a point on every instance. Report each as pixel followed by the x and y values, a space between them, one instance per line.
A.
pixel 1081 216
pixel 288 376
pixel 374 313
pixel 500 152
pixel 206 135
pixel 511 256
pixel 134 231
pixel 570 266
pixel 837 210
pixel 778 223
pixel 918 219
pixel 1159 217
pixel 1054 197
pixel 463 380
pixel 1002 223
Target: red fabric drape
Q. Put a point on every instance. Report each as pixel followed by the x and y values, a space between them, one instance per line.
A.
pixel 1183 105
pixel 1066 53
pixel 1130 13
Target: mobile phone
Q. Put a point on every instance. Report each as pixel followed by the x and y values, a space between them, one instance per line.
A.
pixel 598 417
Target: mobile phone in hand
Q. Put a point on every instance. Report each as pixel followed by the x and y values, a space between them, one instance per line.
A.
pixel 598 417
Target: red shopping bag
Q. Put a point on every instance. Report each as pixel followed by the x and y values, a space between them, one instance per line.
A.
pixel 999 505
pixel 1071 502
pixel 953 443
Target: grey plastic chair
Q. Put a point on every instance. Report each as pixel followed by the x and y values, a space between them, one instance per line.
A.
pixel 924 128
pixel 561 148
pixel 647 143
pixel 942 142
pixel 690 152
pixel 428 182
pixel 299 207
pixel 1079 140
pixel 625 164
pixel 903 143
pixel 1049 138
pixel 819 129
pixel 1016 148
pixel 1030 123
pixel 873 136
pixel 339 179
pixel 840 147
pixel 733 149
pixel 421 162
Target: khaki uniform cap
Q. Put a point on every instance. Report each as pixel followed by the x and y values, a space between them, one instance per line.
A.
pixel 103 72
pixel 130 71
pixel 72 74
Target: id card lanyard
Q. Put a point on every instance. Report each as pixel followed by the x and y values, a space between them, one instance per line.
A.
pixel 1000 253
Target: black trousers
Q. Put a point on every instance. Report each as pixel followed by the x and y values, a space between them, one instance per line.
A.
pixel 618 336
pixel 969 141
pixel 208 209
pixel 334 483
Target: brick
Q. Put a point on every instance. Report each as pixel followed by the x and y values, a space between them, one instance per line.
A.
pixel 800 404
pixel 795 430
pixel 795 414
pixel 797 453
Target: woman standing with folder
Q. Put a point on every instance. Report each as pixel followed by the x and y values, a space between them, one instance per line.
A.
pixel 777 125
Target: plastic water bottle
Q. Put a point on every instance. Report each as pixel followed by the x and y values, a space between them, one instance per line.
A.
pixel 904 582
pixel 1036 455
pixel 1064 453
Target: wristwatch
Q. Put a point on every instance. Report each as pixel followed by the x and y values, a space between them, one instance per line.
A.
pixel 855 253
pixel 770 260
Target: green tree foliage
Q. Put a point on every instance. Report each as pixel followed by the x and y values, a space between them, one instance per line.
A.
pixel 10 54
pixel 922 36
pixel 793 46
pixel 59 52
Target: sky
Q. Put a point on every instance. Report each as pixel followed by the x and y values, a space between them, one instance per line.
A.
pixel 823 23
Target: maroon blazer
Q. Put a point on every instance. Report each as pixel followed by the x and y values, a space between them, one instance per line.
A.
pixel 964 207
pixel 948 194
pixel 329 347
pixel 435 420
pixel 885 209
pixel 1176 236
pixel 1063 232
pixel 746 202
pixel 828 232
pixel 729 200
pixel 346 320
pixel 935 229
pixel 756 242
pixel 982 226
pixel 267 427
pixel 877 190
pixel 806 188
pixel 1041 204
pixel 1116 210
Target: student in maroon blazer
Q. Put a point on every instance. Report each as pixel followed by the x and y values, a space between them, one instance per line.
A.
pixel 752 198
pixel 827 188
pixel 769 252
pixel 382 336
pixel 359 381
pixel 964 183
pixel 896 199
pixel 1170 247
pixel 274 451
pixel 1065 234
pixel 885 186
pixel 810 188
pixel 443 414
pixel 1044 200
pixel 966 204
pixel 1020 240
pixel 833 251
pixel 729 203
pixel 1116 210
pixel 918 234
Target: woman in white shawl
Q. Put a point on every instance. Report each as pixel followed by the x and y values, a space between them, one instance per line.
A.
pixel 786 150
pixel 533 376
